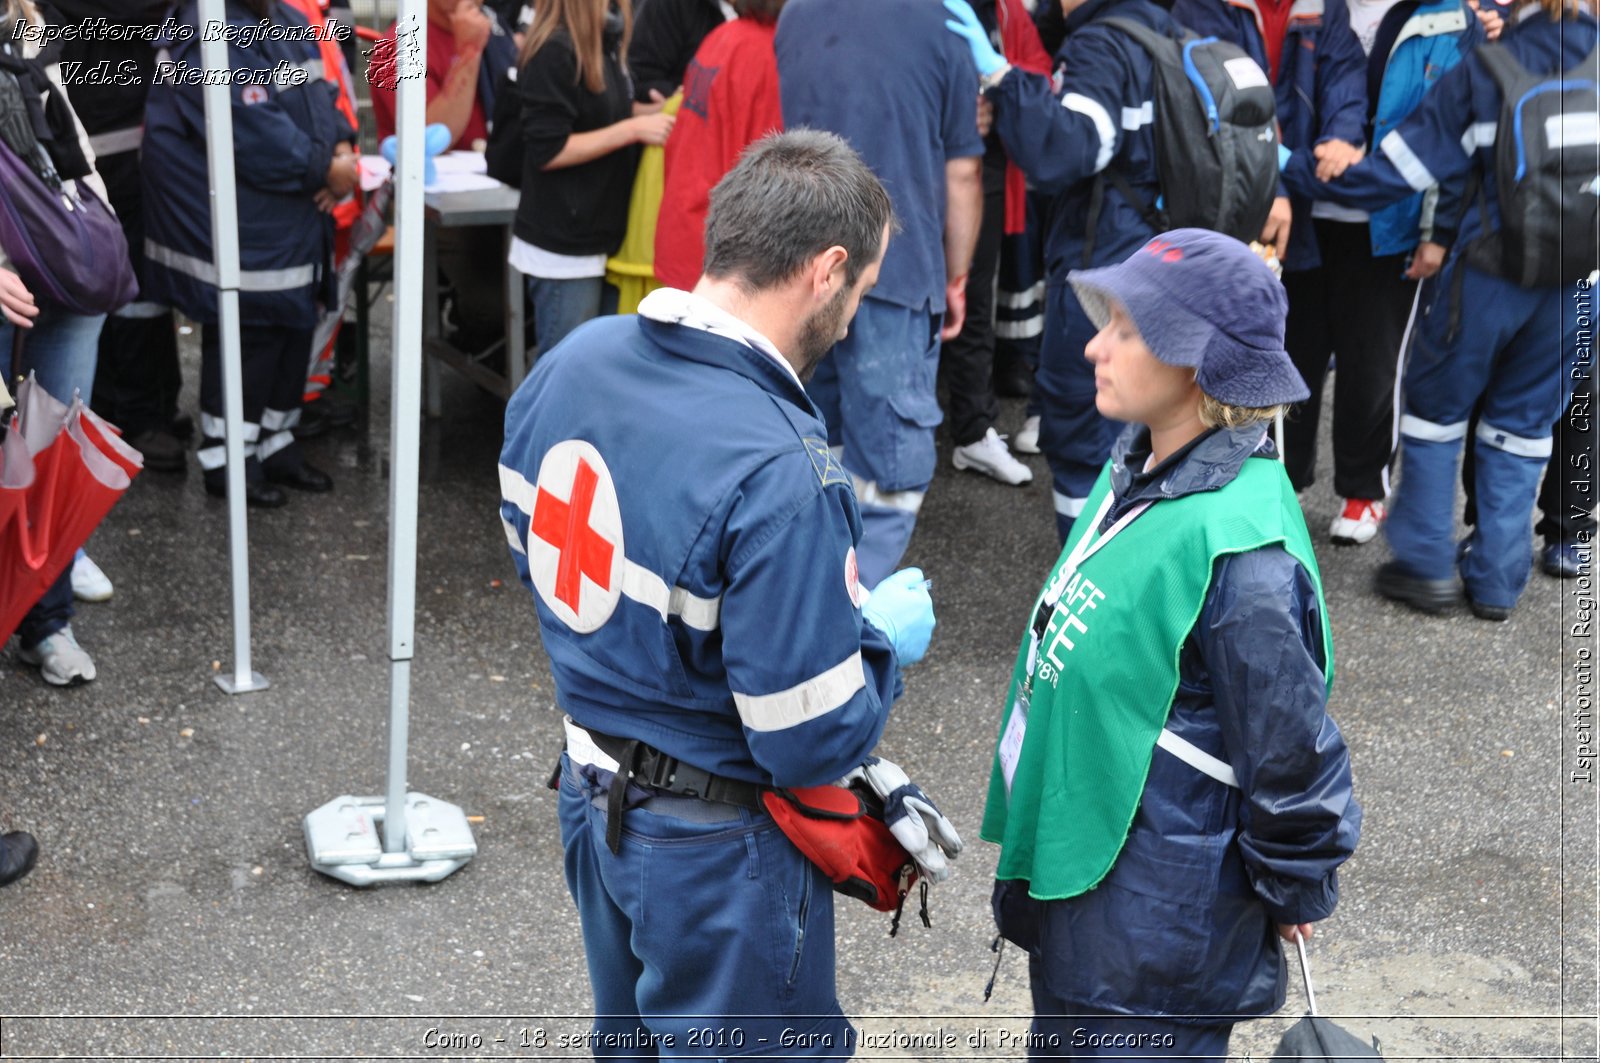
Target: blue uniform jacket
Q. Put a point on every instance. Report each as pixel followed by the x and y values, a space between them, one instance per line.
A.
pixel 1321 84
pixel 1437 36
pixel 1452 131
pixel 285 127
pixel 1096 112
pixel 1185 922
pixel 719 584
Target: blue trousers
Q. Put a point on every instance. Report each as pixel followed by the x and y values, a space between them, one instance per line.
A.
pixel 61 349
pixel 703 939
pixel 1075 437
pixel 1062 1030
pixel 561 305
pixel 876 391
pixel 1514 349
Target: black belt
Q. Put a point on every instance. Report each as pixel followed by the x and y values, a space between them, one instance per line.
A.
pixel 644 765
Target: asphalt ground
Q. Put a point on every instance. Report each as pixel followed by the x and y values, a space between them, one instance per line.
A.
pixel 174 913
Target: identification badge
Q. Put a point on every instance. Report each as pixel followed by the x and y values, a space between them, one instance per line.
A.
pixel 1011 740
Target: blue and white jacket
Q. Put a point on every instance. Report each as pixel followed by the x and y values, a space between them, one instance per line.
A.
pixel 1452 131
pixel 285 128
pixel 1321 85
pixel 1435 37
pixel 669 496
pixel 1096 112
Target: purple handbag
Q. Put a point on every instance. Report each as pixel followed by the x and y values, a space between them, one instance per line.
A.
pixel 68 249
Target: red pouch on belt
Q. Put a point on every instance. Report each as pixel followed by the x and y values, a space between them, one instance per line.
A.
pixel 836 831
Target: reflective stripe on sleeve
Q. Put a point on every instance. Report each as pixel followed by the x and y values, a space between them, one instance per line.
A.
pixel 1018 300
pixel 1521 446
pixel 1025 329
pixel 1478 135
pixel 817 696
pixel 1136 118
pixel 1075 101
pixel 512 538
pixel 1428 432
pixel 1413 169
pixel 647 588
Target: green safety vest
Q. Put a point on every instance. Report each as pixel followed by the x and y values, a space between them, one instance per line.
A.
pixel 1089 699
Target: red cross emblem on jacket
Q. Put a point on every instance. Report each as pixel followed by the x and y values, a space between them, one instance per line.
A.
pixel 575 554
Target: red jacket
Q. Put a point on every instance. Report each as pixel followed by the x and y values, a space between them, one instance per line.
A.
pixel 730 98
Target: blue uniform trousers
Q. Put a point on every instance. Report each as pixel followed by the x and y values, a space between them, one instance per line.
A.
pixel 876 391
pixel 1075 438
pixel 1513 348
pixel 704 939
pixel 1062 1030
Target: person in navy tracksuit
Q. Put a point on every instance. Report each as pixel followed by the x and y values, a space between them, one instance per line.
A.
pixel 1483 337
pixel 699 597
pixel 1096 113
pixel 1319 74
pixel 1356 303
pixel 294 161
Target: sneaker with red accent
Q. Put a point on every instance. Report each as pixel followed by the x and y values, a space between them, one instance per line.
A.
pixel 1357 523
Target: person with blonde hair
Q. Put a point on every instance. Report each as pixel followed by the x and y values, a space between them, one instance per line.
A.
pixel 1169 794
pixel 1500 321
pixel 580 140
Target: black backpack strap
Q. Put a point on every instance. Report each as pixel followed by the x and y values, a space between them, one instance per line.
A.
pixel 1148 39
pixel 1091 225
pixel 1502 66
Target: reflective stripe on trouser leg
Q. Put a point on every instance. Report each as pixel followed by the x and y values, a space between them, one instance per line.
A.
pixel 1075 437
pixel 213 432
pixel 1067 510
pixel 1421 522
pixel 1505 479
pixel 887 520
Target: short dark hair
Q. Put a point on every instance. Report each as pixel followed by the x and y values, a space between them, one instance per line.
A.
pixel 760 10
pixel 791 197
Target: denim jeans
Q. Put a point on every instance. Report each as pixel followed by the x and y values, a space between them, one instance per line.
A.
pixel 60 350
pixel 712 938
pixel 561 305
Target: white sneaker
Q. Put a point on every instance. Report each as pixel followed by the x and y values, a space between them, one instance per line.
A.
pixel 60 659
pixel 1357 523
pixel 990 457
pixel 1027 440
pixel 89 584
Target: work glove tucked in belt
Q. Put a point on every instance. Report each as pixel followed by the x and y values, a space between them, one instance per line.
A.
pixel 917 825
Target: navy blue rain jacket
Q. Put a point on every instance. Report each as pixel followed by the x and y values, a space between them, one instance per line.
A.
pixel 1185 923
pixel 1451 133
pixel 1096 112
pixel 284 134
pixel 1321 85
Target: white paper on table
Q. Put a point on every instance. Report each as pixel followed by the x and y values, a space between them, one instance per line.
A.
pixel 462 182
pixel 461 162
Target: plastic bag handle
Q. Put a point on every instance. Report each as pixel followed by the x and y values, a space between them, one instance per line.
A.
pixel 1305 971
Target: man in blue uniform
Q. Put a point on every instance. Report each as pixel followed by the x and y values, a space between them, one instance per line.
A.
pixel 669 496
pixel 920 136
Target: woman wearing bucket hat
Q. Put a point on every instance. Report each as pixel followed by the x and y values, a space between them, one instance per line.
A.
pixel 1169 793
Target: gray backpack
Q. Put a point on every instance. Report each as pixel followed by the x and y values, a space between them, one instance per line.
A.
pixel 1545 166
pixel 1216 133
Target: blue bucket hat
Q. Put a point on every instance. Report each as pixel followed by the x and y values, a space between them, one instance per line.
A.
pixel 1206 302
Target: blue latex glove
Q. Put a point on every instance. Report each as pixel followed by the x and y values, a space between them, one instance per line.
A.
pixel 902 609
pixel 435 141
pixel 1284 155
pixel 967 27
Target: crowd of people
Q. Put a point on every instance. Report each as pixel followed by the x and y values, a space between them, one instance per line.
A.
pixel 995 194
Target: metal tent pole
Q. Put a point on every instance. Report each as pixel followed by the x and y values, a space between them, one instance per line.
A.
pixel 225 246
pixel 422 838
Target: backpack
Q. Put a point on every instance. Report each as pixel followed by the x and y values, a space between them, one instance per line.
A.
pixel 1544 164
pixel 1216 138
pixel 1216 143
